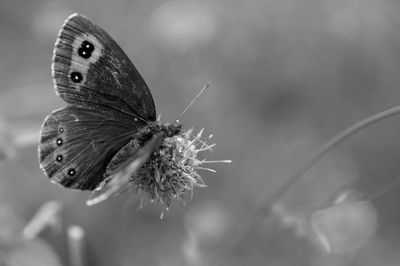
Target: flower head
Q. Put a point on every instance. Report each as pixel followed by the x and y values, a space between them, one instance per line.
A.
pixel 171 171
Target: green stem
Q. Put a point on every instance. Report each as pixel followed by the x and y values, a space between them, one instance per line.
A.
pixel 76 245
pixel 264 207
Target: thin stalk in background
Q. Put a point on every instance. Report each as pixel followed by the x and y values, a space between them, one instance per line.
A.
pixel 76 245
pixel 263 209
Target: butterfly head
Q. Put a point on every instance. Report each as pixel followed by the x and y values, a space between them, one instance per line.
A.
pixel 153 128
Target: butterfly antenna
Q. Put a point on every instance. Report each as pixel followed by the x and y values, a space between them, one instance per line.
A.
pixel 195 98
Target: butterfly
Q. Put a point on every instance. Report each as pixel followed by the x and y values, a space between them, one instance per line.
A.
pixel 110 114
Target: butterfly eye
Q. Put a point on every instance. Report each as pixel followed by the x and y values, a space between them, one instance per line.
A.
pixel 84 53
pixel 86 49
pixel 59 158
pixel 59 142
pixel 71 172
pixel 76 77
pixel 61 130
pixel 88 46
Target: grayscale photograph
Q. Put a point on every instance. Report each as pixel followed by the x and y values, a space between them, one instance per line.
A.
pixel 199 133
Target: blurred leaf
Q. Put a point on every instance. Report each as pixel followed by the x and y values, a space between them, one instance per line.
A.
pixel 344 227
pixel 29 253
pixel 17 250
pixel 10 225
pixel 47 216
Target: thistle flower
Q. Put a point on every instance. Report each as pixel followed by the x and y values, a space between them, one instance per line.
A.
pixel 164 168
pixel 172 170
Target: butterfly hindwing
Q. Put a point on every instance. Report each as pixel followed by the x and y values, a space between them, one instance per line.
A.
pixel 90 69
pixel 77 144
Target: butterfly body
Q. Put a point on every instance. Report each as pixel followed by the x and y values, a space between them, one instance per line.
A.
pixel 144 135
pixel 108 106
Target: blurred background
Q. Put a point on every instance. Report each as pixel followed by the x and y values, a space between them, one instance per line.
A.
pixel 285 77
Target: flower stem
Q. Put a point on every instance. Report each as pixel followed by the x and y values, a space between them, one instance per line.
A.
pixel 263 209
pixel 76 244
pixel 47 216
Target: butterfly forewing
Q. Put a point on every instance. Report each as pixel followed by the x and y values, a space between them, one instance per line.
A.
pixel 90 69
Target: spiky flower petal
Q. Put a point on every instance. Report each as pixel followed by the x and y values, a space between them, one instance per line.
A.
pixel 172 170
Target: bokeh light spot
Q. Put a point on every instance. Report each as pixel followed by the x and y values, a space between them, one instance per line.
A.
pixel 183 25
